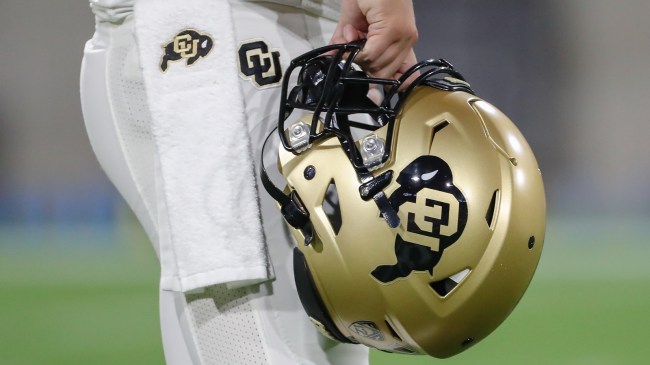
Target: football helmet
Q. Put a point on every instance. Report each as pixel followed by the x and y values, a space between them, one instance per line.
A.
pixel 420 220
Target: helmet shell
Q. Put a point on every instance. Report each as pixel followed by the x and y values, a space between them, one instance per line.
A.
pixel 470 198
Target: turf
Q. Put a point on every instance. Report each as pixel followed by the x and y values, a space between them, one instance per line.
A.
pixel 81 299
pixel 69 297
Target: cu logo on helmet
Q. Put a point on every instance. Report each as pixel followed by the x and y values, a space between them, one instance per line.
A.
pixel 435 214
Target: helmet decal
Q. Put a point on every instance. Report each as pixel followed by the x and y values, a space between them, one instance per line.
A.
pixel 435 214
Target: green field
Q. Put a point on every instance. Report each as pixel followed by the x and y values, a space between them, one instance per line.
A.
pixel 72 297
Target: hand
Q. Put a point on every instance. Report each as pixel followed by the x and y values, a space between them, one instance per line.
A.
pixel 390 32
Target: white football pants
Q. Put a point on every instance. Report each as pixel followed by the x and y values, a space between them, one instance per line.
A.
pixel 263 324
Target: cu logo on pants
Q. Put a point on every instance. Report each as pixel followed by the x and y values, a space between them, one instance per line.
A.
pixel 258 64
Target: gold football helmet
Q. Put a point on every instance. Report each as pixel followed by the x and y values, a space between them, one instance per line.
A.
pixel 418 229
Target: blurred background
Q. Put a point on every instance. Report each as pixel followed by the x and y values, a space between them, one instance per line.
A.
pixel 78 280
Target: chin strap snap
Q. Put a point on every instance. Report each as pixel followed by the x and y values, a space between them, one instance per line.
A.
pixel 373 189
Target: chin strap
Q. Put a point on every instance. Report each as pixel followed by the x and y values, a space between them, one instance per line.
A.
pixel 291 207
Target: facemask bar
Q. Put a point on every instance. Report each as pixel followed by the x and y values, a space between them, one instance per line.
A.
pixel 336 122
pixel 334 116
pixel 427 70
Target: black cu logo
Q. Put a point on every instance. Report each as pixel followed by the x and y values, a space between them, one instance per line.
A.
pixel 435 213
pixel 259 65
pixel 188 45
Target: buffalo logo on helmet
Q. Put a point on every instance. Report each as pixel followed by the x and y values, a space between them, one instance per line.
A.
pixel 435 214
pixel 188 45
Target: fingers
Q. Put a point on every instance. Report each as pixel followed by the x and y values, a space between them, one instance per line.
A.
pixel 390 32
pixel 408 63
pixel 345 34
pixel 391 35
pixel 391 63
pixel 351 15
pixel 351 34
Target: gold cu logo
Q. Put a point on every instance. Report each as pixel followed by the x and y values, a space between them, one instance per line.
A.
pixel 434 214
pixel 185 46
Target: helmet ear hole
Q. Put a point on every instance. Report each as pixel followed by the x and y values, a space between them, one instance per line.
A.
pixel 311 300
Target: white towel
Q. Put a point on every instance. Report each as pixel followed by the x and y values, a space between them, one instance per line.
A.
pixel 208 217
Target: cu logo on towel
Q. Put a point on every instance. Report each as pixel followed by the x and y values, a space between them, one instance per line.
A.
pixel 188 45
pixel 259 64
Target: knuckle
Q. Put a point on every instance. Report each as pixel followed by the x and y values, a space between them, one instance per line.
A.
pixel 411 34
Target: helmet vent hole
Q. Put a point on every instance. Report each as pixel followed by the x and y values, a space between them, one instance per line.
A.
pixel 437 128
pixel 445 286
pixel 440 126
pixel 332 208
pixel 489 216
pixel 392 331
